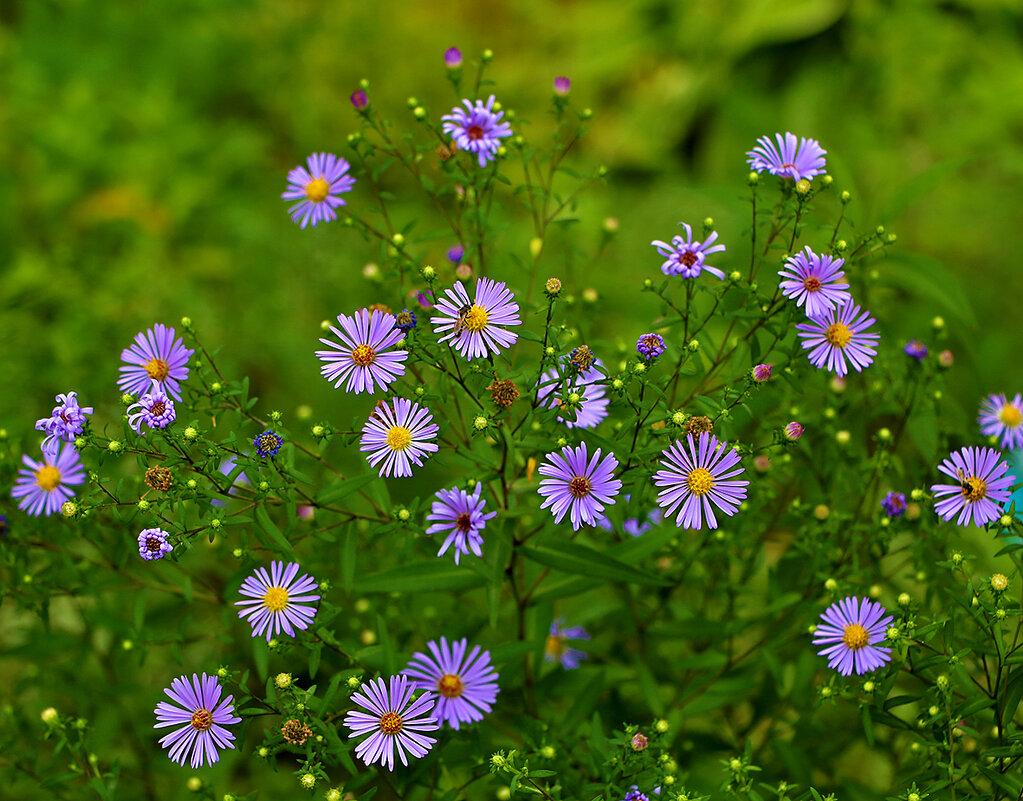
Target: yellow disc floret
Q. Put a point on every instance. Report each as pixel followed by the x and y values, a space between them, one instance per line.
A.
pixel 317 190
pixel 48 478
pixel 276 599
pixel 700 481
pixel 1010 416
pixel 476 318
pixel 839 335
pixel 390 723
pixel 450 685
pixel 363 355
pixel 157 369
pixel 399 438
pixel 855 636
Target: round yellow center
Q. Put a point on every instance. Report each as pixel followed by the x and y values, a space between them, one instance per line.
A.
pixel 48 478
pixel 363 355
pixel 317 189
pixel 974 488
pixel 700 481
pixel 399 438
pixel 555 645
pixel 476 318
pixel 579 486
pixel 390 723
pixel 276 599
pixel 202 719
pixel 855 636
pixel 450 686
pixel 838 335
pixel 157 369
pixel 1010 415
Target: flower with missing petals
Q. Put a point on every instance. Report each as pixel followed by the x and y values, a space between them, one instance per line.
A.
pixel 793 158
pixel 267 444
pixel 318 188
pixel 461 515
pixel 915 349
pixel 590 404
pixel 155 356
pixel 894 504
pixel 840 335
pixel 814 282
pixel 850 632
pixel 686 256
pixel 578 484
pixel 362 358
pixel 278 601
pixel 153 544
pixel 41 488
pixel 397 438
pixel 466 684
pixel 981 487
pixel 1003 418
pixel 394 721
pixel 696 478
pixel 651 346
pixel 477 128
pixel 201 715
pixel 476 328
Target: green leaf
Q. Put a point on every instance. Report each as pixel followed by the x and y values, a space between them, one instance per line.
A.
pixel 435 576
pixel 268 527
pixel 342 488
pixel 571 557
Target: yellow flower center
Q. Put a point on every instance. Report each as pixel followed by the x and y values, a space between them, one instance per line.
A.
pixel 157 369
pixel 363 355
pixel 476 318
pixel 700 481
pixel 316 190
pixel 855 636
pixel 555 646
pixel 276 599
pixel 974 488
pixel 48 477
pixel 838 335
pixel 399 438
pixel 202 719
pixel 450 686
pixel 390 723
pixel 1010 415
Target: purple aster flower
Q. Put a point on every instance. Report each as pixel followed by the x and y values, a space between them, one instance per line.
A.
pixel 155 409
pixel 651 346
pixel 589 388
pixel 697 478
pixel 794 431
pixel 814 281
pixel 474 327
pixel 850 631
pixel 791 158
pixel 579 484
pixel 461 515
pixel 395 721
pixel 405 320
pixel 837 335
pixel 556 648
pixel 155 356
pixel 360 356
pixel 981 485
pixel 455 254
pixel 477 129
pixel 916 349
pixel 466 684
pixel 201 721
pixel 894 504
pixel 396 438
pixel 686 257
pixel 153 544
pixel 267 444
pixel 453 58
pixel 318 189
pixel 42 487
pixel 635 795
pixel 66 421
pixel 359 100
pixel 279 601
pixel 562 86
pixel 426 298
pixel 762 372
pixel 999 417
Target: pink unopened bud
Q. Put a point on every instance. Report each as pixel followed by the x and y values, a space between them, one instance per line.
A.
pixel 359 99
pixel 793 431
pixel 562 86
pixel 762 372
pixel 453 58
pixel 639 741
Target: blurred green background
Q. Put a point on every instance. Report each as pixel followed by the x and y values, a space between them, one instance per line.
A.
pixel 145 147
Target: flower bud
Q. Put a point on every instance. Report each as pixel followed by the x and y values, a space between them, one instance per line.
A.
pixel 693 345
pixel 68 509
pixel 868 686
pixel 547 752
pixel 194 784
pixel 762 372
pixel 904 599
pixel 639 742
pixel 49 716
pixel 843 437
pixel 453 58
pixel 562 86
pixel 753 178
pixel 793 431
pixel 802 187
pixel 308 781
pixel 661 726
pixel 831 585
pixel 845 197
pixel 535 247
pixel 821 511
pixel 359 99
pixel 946 358
pixel 999 582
